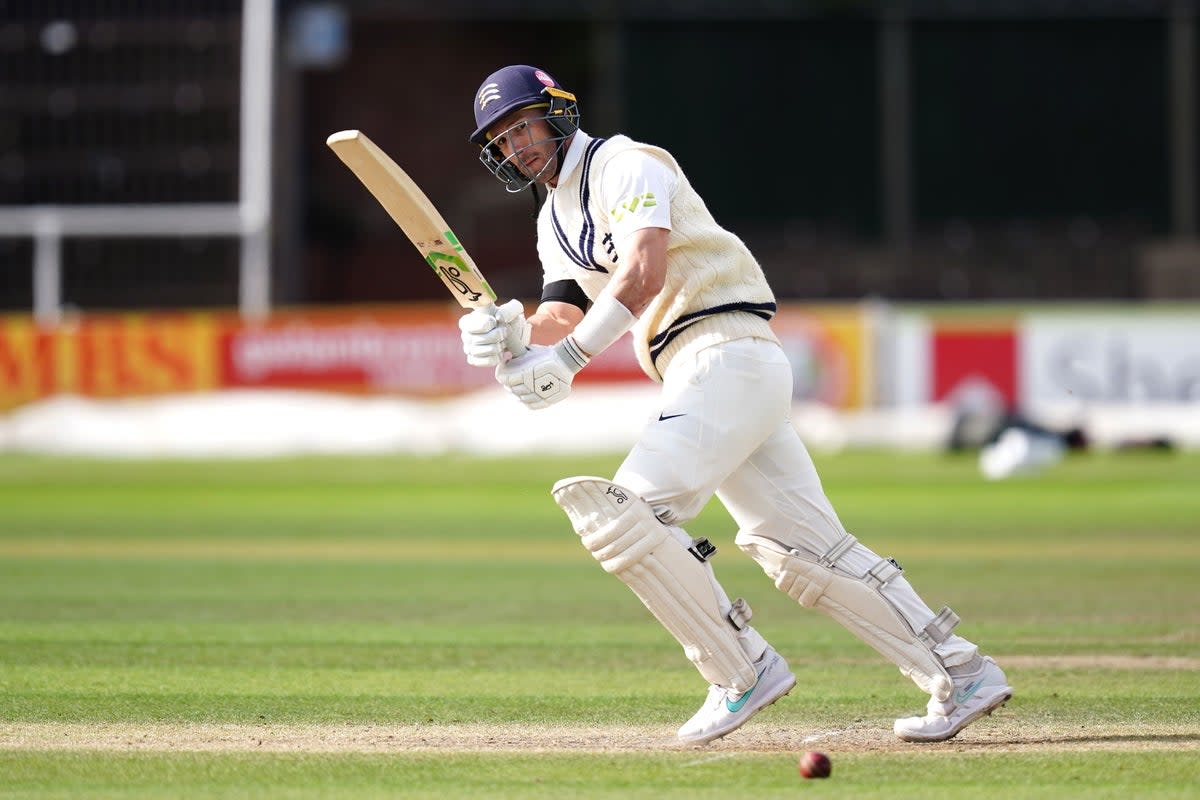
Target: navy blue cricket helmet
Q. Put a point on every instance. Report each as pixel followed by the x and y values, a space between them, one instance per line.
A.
pixel 510 89
pixel 521 86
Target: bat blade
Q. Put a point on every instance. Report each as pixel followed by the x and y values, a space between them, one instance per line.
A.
pixel 408 206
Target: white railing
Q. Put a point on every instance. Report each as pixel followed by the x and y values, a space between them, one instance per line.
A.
pixel 249 218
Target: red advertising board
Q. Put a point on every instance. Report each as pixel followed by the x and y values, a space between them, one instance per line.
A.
pixel 403 349
pixel 413 349
pixel 966 359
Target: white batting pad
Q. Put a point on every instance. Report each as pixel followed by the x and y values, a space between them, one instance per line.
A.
pixel 620 530
pixel 860 605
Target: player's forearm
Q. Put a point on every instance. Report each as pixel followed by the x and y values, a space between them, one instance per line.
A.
pixel 643 269
pixel 547 330
pixel 637 281
pixel 552 321
pixel 635 286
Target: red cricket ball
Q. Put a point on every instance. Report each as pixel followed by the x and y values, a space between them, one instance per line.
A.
pixel 815 765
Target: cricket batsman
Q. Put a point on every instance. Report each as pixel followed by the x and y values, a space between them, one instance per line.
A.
pixel 626 244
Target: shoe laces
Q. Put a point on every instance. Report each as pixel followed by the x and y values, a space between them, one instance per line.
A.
pixel 717 694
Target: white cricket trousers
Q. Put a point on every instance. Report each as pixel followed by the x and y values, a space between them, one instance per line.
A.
pixel 724 428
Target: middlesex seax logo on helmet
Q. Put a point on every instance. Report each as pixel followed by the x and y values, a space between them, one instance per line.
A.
pixel 519 86
pixel 488 93
pixel 505 90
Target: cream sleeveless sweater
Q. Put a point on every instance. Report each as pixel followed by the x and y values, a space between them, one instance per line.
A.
pixel 715 290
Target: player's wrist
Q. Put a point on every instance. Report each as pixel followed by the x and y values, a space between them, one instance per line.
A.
pixel 606 321
pixel 570 354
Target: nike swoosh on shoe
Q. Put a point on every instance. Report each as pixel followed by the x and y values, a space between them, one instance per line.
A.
pixel 741 701
pixel 964 695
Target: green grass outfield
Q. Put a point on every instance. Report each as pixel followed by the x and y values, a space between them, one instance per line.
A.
pixel 396 627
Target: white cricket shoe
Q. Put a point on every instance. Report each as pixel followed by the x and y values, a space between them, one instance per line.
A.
pixel 724 712
pixel 979 689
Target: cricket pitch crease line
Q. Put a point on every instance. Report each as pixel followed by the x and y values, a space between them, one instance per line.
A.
pixel 816 737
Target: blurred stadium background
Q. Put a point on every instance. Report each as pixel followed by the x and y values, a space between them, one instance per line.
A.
pixel 964 206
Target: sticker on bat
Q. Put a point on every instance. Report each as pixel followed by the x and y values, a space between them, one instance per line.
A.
pixel 452 272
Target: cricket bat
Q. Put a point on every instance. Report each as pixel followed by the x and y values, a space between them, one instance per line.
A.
pixel 419 219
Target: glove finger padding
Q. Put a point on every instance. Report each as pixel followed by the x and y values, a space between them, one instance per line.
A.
pixel 483 337
pixel 494 336
pixel 487 335
pixel 477 322
pixel 517 330
pixel 483 353
pixel 510 311
pixel 480 355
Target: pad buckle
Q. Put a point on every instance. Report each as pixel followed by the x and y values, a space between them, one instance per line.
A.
pixel 878 576
pixel 702 549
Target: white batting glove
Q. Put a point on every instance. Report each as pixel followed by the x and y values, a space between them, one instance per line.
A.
pixel 543 375
pixel 485 335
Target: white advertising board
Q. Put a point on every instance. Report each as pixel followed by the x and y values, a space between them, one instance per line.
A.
pixel 1109 359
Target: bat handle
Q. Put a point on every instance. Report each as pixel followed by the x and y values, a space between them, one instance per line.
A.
pixel 512 341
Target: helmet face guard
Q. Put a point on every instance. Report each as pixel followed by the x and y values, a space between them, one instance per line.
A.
pixel 508 169
pixel 511 89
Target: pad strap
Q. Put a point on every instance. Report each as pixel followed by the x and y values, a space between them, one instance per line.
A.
pixel 879 575
pixel 740 614
pixel 833 554
pixel 940 627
